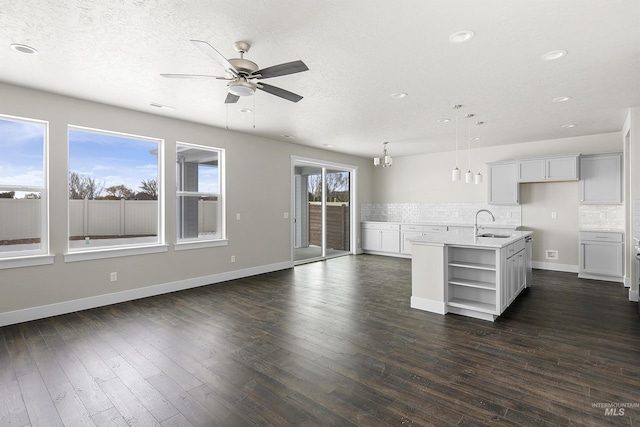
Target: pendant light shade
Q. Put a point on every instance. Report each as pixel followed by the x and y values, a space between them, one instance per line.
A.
pixel 455 174
pixel 468 177
pixel 478 178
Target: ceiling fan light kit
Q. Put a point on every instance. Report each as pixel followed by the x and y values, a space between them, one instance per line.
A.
pixel 241 88
pixel 243 75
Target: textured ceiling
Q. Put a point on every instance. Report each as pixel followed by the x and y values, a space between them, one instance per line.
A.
pixel 358 53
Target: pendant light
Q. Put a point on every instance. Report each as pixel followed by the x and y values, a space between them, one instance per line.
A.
pixel 385 159
pixel 478 178
pixel 455 174
pixel 468 177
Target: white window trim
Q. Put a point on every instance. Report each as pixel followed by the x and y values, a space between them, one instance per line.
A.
pixel 114 252
pixel 34 256
pixel 207 242
pixel 26 261
pixel 184 245
pixel 73 255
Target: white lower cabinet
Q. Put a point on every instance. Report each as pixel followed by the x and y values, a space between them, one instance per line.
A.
pixel 515 272
pixel 381 237
pixel 601 256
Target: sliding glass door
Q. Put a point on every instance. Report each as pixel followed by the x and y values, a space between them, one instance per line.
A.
pixel 322 206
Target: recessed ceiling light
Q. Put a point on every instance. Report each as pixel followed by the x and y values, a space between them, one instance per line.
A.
pixel 554 54
pixel 246 110
pixel 476 138
pixel 461 36
pixel 570 125
pixel 23 48
pixel 288 136
pixel 444 120
pixel 399 95
pixel 329 145
pixel 561 99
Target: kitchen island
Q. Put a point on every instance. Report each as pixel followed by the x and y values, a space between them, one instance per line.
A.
pixel 477 276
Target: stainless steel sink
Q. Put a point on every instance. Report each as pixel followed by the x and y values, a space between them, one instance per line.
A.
pixel 493 235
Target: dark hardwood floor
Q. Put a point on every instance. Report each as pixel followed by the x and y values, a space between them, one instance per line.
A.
pixel 329 343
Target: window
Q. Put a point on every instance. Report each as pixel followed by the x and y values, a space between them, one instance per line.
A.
pixel 199 194
pixel 114 190
pixel 24 228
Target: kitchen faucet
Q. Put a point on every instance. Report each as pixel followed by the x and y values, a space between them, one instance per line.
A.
pixel 475 225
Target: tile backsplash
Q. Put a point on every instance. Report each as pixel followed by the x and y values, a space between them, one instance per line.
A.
pixel 439 213
pixel 602 217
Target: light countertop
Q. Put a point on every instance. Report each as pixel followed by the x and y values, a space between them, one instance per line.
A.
pixel 465 237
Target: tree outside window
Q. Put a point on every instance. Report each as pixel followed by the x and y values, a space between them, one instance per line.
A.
pixel 113 189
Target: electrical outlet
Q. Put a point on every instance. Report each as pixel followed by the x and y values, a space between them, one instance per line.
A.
pixel 286 215
pixel 551 254
pixel 233 258
pixel 237 217
pixel 114 276
pixel 554 215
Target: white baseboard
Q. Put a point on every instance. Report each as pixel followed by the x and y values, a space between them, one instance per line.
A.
pixel 633 296
pixel 41 312
pixel 554 266
pixel 425 304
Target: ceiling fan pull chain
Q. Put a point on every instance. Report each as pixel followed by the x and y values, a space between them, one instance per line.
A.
pixel 254 112
pixel 227 116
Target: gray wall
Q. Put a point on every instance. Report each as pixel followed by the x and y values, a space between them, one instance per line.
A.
pixel 258 173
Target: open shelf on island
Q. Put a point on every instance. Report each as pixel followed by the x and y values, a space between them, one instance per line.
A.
pixel 472 283
pixel 473 265
pixel 472 305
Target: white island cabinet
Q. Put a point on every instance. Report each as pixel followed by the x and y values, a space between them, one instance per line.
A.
pixel 456 272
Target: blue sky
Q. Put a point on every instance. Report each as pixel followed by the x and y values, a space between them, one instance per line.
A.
pixel 21 153
pixel 110 159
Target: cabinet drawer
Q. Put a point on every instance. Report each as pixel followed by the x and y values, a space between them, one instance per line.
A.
pixel 601 236
pixel 515 247
pixel 380 226
pixel 434 229
pixel 406 227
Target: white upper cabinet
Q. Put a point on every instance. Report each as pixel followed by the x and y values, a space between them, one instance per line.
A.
pixel 601 179
pixel 557 168
pixel 503 183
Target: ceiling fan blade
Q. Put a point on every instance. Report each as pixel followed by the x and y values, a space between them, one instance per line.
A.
pixel 193 76
pixel 289 96
pixel 215 55
pixel 231 98
pixel 282 69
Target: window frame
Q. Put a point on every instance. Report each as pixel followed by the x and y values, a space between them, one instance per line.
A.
pixel 99 252
pixel 42 255
pixel 205 241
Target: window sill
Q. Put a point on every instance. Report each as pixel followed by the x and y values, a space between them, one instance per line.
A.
pixel 114 252
pixel 196 244
pixel 26 261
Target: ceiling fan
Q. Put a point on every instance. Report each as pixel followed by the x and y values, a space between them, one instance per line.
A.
pixel 243 75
